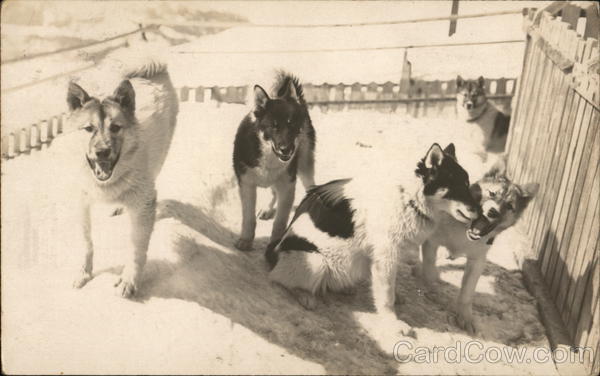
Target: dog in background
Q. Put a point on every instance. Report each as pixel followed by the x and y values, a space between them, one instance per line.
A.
pixel 130 133
pixel 473 106
pixel 274 143
pixel 346 230
pixel 502 203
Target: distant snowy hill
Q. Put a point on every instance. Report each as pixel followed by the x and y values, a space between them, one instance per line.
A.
pixel 32 27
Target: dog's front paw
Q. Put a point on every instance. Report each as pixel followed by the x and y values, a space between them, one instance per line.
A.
pixel 244 244
pixel 125 286
pixel 391 323
pixel 267 214
pixel 465 320
pixel 118 211
pixel 82 279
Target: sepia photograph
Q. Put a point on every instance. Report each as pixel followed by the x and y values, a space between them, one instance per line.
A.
pixel 300 187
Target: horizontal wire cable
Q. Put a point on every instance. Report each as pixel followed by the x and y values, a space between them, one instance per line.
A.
pixel 408 46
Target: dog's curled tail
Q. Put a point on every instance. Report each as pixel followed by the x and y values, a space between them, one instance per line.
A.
pixel 143 61
pixel 271 255
pixel 282 81
pixel 147 69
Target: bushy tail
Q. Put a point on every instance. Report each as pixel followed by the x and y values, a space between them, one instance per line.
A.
pixel 283 80
pixel 148 69
pixel 271 255
pixel 143 61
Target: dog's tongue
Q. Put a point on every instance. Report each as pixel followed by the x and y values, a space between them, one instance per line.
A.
pixel 480 224
pixel 102 170
pixel 479 228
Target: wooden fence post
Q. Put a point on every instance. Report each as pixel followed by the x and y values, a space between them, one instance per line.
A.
pixel 25 140
pixel 35 140
pixel 6 146
pixel 184 94
pixel 405 78
pixel 199 94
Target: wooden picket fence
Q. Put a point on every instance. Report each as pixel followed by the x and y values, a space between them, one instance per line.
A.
pixel 555 140
pixel 418 98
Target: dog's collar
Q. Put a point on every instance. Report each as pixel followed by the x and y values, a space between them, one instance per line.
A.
pixel 485 108
pixel 420 213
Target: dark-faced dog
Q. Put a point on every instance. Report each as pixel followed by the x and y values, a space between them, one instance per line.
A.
pixel 274 143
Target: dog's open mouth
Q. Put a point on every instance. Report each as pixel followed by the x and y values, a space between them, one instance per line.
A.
pixel 284 157
pixel 463 216
pixel 480 228
pixel 102 169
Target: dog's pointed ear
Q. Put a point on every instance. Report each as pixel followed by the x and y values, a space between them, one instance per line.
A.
pixel 260 98
pixel 527 193
pixel 76 96
pixel 481 82
pixel 529 190
pixel 125 96
pixel 498 168
pixel 434 156
pixel 475 190
pixel 290 91
pixel 450 150
pixel 459 81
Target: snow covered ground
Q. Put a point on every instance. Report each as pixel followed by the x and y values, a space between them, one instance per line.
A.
pixel 205 307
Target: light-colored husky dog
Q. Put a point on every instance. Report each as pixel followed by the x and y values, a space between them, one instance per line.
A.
pixel 130 133
pixel 473 106
pixel 502 203
pixel 347 229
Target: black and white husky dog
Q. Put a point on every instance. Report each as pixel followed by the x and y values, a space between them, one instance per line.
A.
pixel 345 230
pixel 274 143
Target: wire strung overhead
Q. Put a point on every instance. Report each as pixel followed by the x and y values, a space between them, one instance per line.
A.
pixel 352 24
pixel 408 46
pixel 246 24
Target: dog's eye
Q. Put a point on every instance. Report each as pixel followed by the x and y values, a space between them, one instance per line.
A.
pixel 492 193
pixel 510 207
pixel 88 128
pixel 114 128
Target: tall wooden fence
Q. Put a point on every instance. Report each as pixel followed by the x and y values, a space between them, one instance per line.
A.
pixel 555 140
pixel 419 98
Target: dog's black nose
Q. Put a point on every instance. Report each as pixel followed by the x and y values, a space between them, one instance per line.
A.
pixel 493 213
pixel 103 153
pixel 469 105
pixel 286 150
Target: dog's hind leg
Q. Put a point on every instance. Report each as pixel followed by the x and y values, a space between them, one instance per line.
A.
pixel 142 218
pixel 269 212
pixel 87 264
pixel 302 273
pixel 248 198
